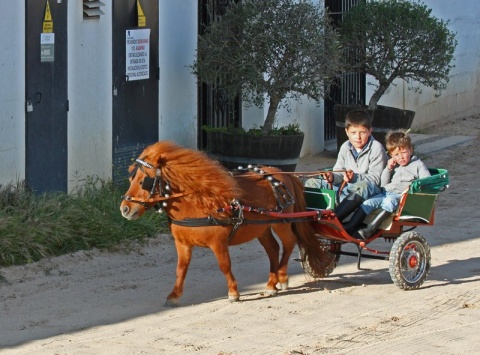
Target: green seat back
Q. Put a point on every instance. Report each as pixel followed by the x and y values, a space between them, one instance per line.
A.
pixel 438 181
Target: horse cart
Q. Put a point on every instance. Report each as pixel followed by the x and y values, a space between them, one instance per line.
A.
pixel 409 255
pixel 208 206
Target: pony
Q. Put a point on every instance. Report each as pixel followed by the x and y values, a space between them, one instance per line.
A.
pixel 209 206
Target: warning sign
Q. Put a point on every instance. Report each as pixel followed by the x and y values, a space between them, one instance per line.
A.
pixel 137 54
pixel 47 20
pixel 142 21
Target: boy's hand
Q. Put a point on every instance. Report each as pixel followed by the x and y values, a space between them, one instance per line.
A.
pixel 328 176
pixel 349 174
pixel 391 163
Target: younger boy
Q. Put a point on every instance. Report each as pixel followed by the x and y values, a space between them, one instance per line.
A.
pixel 362 157
pixel 401 170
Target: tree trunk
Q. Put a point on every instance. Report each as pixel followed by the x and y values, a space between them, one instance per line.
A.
pixel 382 87
pixel 270 119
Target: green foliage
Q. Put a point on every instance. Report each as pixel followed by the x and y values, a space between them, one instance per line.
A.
pixel 269 49
pixel 34 227
pixel 290 129
pixel 399 39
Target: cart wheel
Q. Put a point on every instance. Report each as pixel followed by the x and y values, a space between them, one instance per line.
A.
pixel 330 258
pixel 409 261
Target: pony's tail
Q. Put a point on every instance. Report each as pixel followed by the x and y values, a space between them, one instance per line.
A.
pixel 316 257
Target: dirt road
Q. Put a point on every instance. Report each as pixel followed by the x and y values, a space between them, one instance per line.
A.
pixel 112 303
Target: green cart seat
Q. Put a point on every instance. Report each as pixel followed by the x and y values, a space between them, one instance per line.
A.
pixel 419 202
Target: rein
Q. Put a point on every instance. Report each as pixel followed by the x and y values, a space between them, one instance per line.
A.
pixel 159 189
pixel 252 170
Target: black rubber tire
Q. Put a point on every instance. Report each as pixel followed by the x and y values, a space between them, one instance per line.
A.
pixel 409 261
pixel 330 258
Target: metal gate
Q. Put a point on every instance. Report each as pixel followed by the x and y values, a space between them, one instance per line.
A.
pixel 214 108
pixel 350 87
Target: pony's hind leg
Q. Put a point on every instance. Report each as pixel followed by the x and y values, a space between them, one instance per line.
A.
pixel 184 253
pixel 287 237
pixel 225 264
pixel 270 244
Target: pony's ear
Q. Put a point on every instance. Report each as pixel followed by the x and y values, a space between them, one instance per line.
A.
pixel 132 170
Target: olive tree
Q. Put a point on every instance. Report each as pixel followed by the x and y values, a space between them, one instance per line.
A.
pixel 392 39
pixel 270 51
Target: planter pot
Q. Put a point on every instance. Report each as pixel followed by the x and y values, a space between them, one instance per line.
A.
pixel 384 119
pixel 234 150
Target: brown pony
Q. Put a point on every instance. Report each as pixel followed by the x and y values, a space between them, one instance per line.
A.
pixel 206 207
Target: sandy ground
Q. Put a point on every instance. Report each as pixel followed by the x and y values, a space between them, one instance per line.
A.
pixel 112 303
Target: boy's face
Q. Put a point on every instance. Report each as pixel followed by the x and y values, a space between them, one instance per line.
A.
pixel 401 155
pixel 358 135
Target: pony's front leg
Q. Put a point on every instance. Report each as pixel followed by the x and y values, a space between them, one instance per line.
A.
pixel 270 244
pixel 224 262
pixel 184 253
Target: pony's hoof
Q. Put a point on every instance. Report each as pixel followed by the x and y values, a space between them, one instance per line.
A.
pixel 232 299
pixel 284 286
pixel 172 303
pixel 271 292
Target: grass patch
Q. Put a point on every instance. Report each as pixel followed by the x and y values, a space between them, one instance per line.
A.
pixel 33 227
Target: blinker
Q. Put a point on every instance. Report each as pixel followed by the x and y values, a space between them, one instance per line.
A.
pixel 147 183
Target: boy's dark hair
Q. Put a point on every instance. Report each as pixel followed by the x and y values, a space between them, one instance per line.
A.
pixel 358 118
pixel 398 139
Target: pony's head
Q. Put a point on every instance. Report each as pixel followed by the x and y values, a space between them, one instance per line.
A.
pixel 145 183
pixel 167 172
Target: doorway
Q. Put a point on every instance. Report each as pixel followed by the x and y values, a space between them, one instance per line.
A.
pixel 135 98
pixel 46 96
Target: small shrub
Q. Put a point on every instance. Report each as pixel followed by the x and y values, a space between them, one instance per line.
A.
pixel 34 227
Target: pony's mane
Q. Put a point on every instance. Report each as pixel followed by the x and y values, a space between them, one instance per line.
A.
pixel 210 185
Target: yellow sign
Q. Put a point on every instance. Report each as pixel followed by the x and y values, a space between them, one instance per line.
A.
pixel 142 20
pixel 47 20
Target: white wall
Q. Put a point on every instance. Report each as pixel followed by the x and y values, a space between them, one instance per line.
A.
pixel 310 116
pixel 461 96
pixel 178 88
pixel 90 94
pixel 12 91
